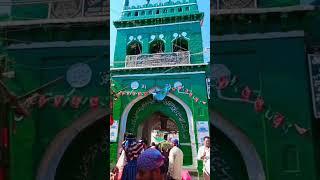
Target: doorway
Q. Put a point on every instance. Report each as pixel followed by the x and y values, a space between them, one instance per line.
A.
pixel 156 127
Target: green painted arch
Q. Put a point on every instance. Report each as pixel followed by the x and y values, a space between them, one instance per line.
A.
pixel 143 110
pixel 191 124
pixel 54 153
pixel 250 156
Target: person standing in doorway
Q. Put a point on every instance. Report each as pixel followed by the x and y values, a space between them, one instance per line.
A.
pixel 204 156
pixel 175 161
pixel 165 147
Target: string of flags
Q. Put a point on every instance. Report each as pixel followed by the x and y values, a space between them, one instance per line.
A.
pixel 247 95
pixel 178 90
pixel 57 101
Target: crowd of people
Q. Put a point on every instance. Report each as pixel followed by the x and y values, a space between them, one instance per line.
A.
pixel 161 161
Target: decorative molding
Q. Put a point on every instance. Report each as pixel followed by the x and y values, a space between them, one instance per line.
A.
pixel 40 22
pixel 159 74
pixel 287 9
pixel 57 44
pixel 159 7
pixel 271 35
pixel 155 67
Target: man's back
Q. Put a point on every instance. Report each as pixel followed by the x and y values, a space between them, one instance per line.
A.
pixel 175 163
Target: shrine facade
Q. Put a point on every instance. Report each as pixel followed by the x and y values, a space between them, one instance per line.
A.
pixel 159 76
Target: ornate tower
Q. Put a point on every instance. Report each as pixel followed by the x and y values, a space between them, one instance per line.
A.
pixel 159 45
pixel 159 34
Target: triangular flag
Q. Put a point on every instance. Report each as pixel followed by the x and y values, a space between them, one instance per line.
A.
pixel 75 101
pixel 58 100
pixel 94 102
pixel 300 130
pixel 111 120
pixel 42 101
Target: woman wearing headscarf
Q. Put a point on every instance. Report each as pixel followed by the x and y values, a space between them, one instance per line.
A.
pixel 132 149
pixel 149 165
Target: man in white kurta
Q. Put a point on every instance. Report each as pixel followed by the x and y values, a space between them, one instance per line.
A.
pixel 175 161
pixel 204 155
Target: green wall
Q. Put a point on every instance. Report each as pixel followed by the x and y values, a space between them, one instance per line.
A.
pixel 200 111
pixel 35 67
pixel 278 68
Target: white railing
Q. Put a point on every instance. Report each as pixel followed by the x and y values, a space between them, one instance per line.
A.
pixel 158 59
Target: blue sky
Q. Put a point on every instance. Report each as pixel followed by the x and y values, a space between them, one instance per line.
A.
pixel 116 7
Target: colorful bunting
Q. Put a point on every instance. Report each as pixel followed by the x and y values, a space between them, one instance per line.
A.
pixel 277 119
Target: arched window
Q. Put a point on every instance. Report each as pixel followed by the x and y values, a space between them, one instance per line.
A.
pixel 180 44
pixel 157 46
pixel 134 48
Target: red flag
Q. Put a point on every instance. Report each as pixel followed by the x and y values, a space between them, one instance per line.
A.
pixel 75 101
pixel 278 120
pixel 42 101
pixel 94 102
pixel 246 93
pixel 111 120
pixel 259 104
pixel 58 100
pixel 5 137
pixel 223 82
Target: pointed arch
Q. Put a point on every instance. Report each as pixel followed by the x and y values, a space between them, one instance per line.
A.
pixel 134 48
pixel 55 151
pixel 157 46
pixel 124 118
pixel 248 152
pixel 180 44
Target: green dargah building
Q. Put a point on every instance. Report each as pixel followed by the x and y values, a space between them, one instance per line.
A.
pixel 159 77
pixel 264 103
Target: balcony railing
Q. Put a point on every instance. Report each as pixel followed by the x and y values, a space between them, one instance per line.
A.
pixel 159 59
pixel 234 4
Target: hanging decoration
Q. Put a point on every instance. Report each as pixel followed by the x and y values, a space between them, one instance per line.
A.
pixel 58 100
pixel 42 101
pixel 160 94
pixel 75 102
pixel 94 102
pixel 111 120
pixel 247 95
pixel 259 104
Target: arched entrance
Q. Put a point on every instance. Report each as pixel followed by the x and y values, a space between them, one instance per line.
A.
pixel 154 128
pixel 61 144
pixel 172 107
pixel 251 158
